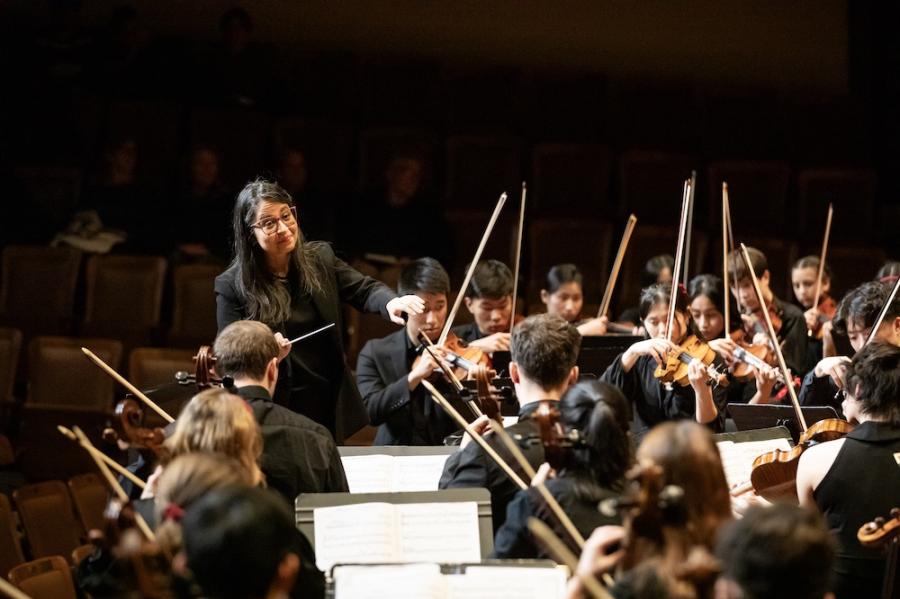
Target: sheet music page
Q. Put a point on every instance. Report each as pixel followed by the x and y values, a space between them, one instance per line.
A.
pixel 507 583
pixel 362 533
pixel 417 472
pixel 737 458
pixel 508 421
pixel 369 473
pixel 439 532
pixel 407 581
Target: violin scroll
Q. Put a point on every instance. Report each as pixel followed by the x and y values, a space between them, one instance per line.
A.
pixel 881 531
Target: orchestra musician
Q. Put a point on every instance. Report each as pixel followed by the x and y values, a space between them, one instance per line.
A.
pixel 563 294
pixel 544 352
pixel 489 300
pixel 388 375
pixel 633 370
pixel 804 275
pixel 295 286
pixel 852 478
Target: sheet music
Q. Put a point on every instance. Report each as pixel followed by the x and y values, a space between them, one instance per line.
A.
pixel 507 583
pixel 362 533
pixel 418 472
pixel 407 581
pixel 439 532
pixel 508 421
pixel 737 458
pixel 370 473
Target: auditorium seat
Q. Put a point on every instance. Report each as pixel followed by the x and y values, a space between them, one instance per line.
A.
pixel 10 545
pixel 89 495
pixel 757 196
pixel 651 185
pixel 48 519
pixel 37 291
pixel 326 145
pixel 52 191
pixel 150 367
pixel 852 265
pixel 10 348
pixel 377 146
pixel 571 180
pixel 566 106
pixel 483 99
pixel 61 376
pixel 851 191
pixel 193 305
pixel 124 297
pixel 479 169
pixel 468 228
pixel 585 243
pixel 45 578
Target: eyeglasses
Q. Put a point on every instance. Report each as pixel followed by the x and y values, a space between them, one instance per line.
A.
pixel 269 225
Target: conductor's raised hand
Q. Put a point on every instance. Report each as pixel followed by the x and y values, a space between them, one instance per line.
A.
pixel 406 304
pixel 284 346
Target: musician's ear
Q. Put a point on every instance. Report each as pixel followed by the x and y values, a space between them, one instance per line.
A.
pixel 895 329
pixel 286 575
pixel 764 277
pixel 573 376
pixel 514 374
pixel 545 296
pixel 469 303
pixel 272 371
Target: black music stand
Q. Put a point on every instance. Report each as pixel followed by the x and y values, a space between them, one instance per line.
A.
pixel 748 417
pixel 597 353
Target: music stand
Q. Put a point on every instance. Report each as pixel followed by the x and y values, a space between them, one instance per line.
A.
pixel 307 502
pixel 597 353
pixel 749 417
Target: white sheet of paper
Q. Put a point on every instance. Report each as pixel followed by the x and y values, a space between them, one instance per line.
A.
pixel 406 581
pixel 361 533
pixel 507 583
pixel 369 473
pixel 737 458
pixel 439 532
pixel 508 421
pixel 418 472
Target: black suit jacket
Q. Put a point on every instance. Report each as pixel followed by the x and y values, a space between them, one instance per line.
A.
pixel 342 284
pixel 472 467
pixel 381 372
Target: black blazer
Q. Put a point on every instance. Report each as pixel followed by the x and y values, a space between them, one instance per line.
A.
pixel 343 284
pixel 381 372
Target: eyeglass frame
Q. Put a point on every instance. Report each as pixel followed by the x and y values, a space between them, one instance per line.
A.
pixel 280 219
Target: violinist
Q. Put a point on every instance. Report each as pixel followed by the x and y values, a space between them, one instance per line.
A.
pixel 544 352
pixel 856 315
pixel 854 477
pixel 804 275
pixel 389 375
pixel 562 294
pixel 594 471
pixel 295 286
pixel 792 332
pixel 633 370
pixel 489 300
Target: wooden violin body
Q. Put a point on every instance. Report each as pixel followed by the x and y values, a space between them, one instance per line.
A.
pixel 462 357
pixel 827 308
pixel 675 370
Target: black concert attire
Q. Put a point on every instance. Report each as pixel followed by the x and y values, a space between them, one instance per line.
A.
pixel 653 402
pixel 862 484
pixel 472 467
pixel 314 379
pixel 468 332
pixel 792 335
pixel 403 417
pixel 514 540
pixel 820 391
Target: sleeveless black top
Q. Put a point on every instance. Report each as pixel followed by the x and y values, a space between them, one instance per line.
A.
pixel 862 483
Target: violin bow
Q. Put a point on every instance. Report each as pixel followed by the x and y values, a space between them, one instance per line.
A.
pixel 459 297
pixel 67 433
pixel 112 482
pixel 726 225
pixel 517 454
pixel 822 261
pixel 692 185
pixel 617 265
pixel 512 314
pixel 884 310
pixel 124 382
pixel 562 554
pixel 679 253
pixel 771 330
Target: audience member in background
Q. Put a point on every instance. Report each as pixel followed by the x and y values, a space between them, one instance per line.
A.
pixel 390 386
pixel 804 275
pixel 776 552
pixel 657 269
pixel 594 471
pixel 666 547
pixel 241 543
pixel 317 210
pixel 489 299
pixel 563 295
pixel 855 479
pixel 856 315
pixel 633 370
pixel 544 352
pixel 398 219
pixel 201 209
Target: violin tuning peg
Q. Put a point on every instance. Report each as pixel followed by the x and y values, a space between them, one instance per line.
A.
pixel 879 521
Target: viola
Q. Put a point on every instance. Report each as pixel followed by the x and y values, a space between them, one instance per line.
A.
pixel 675 370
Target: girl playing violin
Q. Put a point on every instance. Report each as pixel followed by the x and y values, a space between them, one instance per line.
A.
pixel 818 315
pixel 563 295
pixel 633 370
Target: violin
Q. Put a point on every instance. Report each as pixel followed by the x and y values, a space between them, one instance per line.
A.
pixel 749 357
pixel 462 357
pixel 827 309
pixel 881 532
pixel 488 398
pixel 675 370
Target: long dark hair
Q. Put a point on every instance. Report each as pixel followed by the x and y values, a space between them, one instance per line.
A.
pixel 659 294
pixel 560 275
pixel 601 413
pixel 267 300
pixel 712 287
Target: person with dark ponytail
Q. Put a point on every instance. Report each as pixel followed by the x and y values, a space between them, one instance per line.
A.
pixel 295 287
pixel 593 471
pixel 633 370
